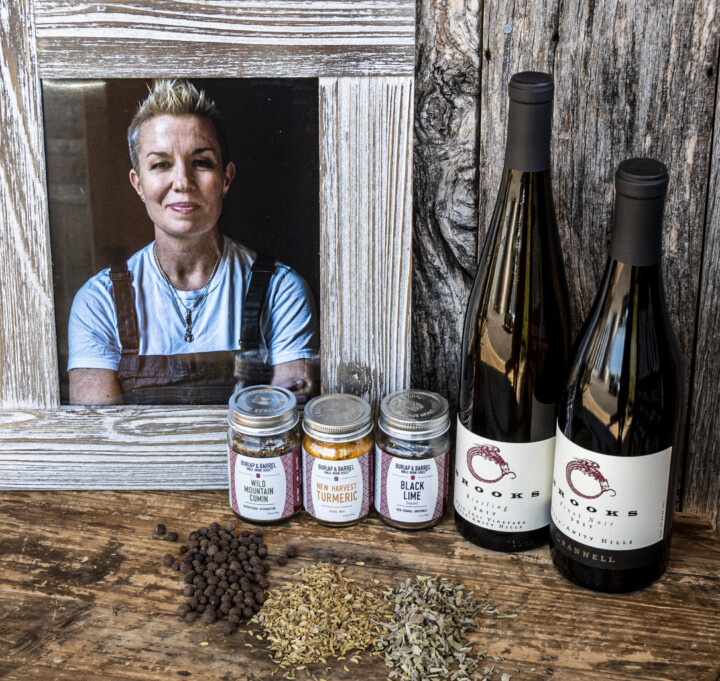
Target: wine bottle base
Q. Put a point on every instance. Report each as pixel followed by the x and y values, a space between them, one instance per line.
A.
pixel 505 542
pixel 609 580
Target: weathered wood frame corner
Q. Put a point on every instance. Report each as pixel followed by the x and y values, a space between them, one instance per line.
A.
pixel 362 52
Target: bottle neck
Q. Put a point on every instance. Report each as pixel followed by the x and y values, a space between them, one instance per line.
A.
pixel 637 230
pixel 528 136
pixel 623 279
pixel 524 205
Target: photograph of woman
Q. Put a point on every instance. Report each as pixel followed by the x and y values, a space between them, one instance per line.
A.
pixel 168 325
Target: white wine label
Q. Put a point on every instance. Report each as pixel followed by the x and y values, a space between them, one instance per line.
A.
pixel 411 490
pixel 503 486
pixel 615 503
pixel 338 491
pixel 265 488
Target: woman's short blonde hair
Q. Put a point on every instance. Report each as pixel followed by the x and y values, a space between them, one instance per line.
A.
pixel 176 98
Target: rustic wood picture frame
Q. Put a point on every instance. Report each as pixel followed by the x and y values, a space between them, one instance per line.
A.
pixel 362 52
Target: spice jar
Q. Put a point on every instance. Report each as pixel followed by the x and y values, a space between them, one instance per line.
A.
pixel 264 454
pixel 337 459
pixel 412 460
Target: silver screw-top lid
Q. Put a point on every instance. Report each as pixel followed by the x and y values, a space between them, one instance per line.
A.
pixel 263 410
pixel 337 418
pixel 414 414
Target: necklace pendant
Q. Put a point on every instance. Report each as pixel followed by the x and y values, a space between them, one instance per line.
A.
pixel 188 327
pixel 177 301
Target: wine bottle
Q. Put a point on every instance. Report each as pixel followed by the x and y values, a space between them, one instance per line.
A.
pixel 516 343
pixel 620 418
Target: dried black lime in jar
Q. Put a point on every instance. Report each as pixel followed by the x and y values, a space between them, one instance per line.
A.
pixel 338 459
pixel 264 454
pixel 412 459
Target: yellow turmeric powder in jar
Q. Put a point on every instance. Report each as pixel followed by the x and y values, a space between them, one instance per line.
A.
pixel 338 459
pixel 336 451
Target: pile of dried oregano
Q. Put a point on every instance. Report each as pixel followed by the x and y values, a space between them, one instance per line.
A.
pixel 419 626
pixel 425 638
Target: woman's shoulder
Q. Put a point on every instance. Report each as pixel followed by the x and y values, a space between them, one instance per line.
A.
pixel 94 296
pixel 286 288
pixel 244 256
pixel 101 283
pixel 240 258
pixel 140 259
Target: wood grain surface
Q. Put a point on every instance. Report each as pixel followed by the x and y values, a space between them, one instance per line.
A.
pixel 701 488
pixel 630 80
pixel 445 225
pixel 365 235
pixel 278 38
pixel 85 594
pixel 114 448
pixel 28 363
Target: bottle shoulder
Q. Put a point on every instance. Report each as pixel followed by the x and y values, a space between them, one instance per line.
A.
pixel 521 268
pixel 625 391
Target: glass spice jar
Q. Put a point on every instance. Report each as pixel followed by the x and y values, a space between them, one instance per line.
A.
pixel 264 454
pixel 412 460
pixel 337 459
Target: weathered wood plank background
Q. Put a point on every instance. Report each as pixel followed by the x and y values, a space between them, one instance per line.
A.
pixel 366 234
pixel 638 78
pixel 631 79
pixel 702 484
pixel 28 364
pixel 309 38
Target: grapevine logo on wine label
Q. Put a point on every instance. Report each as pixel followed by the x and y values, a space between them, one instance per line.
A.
pixel 612 503
pixel 592 479
pixel 488 453
pixel 503 486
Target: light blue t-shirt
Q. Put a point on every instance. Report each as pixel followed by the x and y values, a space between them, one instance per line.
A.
pixel 288 320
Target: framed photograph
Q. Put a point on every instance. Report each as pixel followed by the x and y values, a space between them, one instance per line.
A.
pixel 350 65
pixel 97 219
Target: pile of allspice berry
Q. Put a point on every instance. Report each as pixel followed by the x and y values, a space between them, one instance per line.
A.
pixel 225 573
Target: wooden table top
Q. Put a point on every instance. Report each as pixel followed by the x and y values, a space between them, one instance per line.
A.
pixel 84 593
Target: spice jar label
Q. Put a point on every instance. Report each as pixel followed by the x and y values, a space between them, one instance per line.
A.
pixel 337 491
pixel 265 489
pixel 411 491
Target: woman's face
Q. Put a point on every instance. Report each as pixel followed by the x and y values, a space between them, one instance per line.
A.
pixel 180 176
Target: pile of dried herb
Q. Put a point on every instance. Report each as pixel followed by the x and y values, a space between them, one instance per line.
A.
pixel 325 615
pixel 424 642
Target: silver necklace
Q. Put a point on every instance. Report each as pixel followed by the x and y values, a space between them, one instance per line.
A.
pixel 177 301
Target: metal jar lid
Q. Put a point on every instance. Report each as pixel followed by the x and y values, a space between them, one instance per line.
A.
pixel 337 418
pixel 263 410
pixel 414 414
